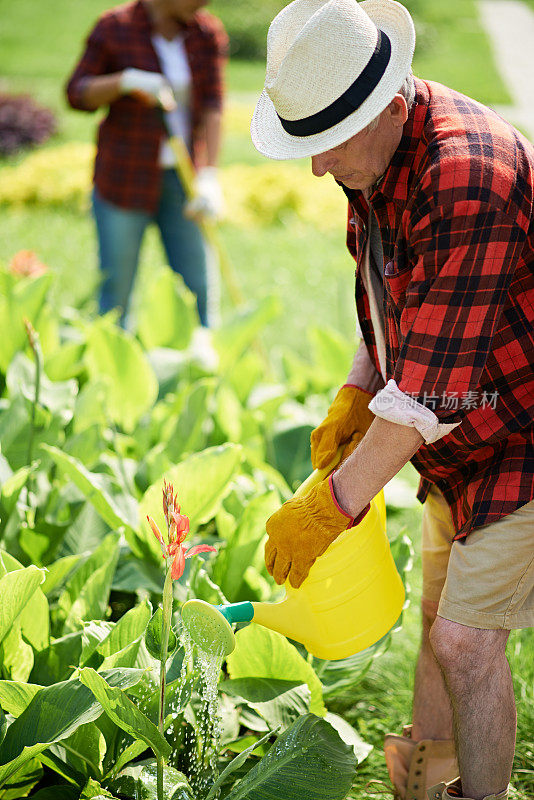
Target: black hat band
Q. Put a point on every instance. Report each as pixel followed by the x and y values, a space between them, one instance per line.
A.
pixel 350 100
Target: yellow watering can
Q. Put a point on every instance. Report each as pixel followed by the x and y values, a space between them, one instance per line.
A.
pixel 352 596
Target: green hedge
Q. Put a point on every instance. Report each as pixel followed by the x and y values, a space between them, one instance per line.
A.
pixel 247 23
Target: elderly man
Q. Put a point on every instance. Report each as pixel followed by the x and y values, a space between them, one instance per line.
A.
pixel 440 223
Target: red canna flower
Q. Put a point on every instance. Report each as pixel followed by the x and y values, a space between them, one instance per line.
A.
pixel 177 529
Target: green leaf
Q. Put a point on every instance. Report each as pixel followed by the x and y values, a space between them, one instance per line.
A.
pixel 57 572
pixel 130 626
pixel 279 702
pixel 93 791
pixel 22 782
pixel 53 715
pixel 350 736
pixel 124 712
pixel 24 298
pixel 308 760
pixel 34 619
pixel 245 544
pixel 16 655
pixel 235 763
pixel 262 653
pixel 332 354
pixel 16 696
pixel 131 385
pixel 200 481
pixel 166 312
pixel 91 486
pixel 86 594
pixel 16 590
pixel 234 337
pixel 139 781
pixel 153 636
pixel 187 434
pixel 58 660
pixel 83 750
pixel 58 398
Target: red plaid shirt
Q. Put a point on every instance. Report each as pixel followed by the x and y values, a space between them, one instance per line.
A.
pixel 456 214
pixel 126 169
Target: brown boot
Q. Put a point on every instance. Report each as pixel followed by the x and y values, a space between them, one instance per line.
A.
pixel 416 766
pixel 453 791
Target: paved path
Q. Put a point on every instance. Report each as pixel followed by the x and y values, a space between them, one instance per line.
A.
pixel 510 26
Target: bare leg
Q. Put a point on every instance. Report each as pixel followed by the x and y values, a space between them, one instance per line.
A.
pixel 478 678
pixel 432 712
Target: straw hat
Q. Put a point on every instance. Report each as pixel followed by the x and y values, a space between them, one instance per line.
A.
pixel 332 67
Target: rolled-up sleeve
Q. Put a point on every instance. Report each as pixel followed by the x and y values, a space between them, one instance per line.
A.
pixel 465 256
pixel 95 60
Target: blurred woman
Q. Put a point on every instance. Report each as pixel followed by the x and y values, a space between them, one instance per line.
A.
pixel 139 58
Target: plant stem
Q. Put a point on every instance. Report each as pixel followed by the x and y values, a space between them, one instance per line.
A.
pixel 166 627
pixel 35 345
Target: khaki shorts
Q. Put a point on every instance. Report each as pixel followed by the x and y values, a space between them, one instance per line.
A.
pixel 486 582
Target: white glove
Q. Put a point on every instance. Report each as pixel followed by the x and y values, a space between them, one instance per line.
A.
pixel 152 84
pixel 208 199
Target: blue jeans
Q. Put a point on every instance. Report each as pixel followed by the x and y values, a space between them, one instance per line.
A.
pixel 120 232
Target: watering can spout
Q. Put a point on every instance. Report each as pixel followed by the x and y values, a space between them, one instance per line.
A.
pixel 351 598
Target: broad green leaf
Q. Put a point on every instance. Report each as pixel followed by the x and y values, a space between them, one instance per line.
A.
pixel 62 792
pixel 130 626
pixel 166 312
pixel 139 781
pixel 16 590
pixel 127 657
pixel 22 782
pixel 93 791
pixel 188 433
pixel 86 594
pixel 153 636
pixel 262 653
pixel 83 750
pixel 57 572
pixel 244 545
pixel 34 619
pixel 332 354
pixel 93 634
pixel 131 385
pixel 350 736
pixel 3 726
pixel 309 760
pixel 124 712
pixel 11 488
pixel 292 452
pixel 58 660
pixel 91 486
pixel 16 696
pixel 234 337
pixel 200 482
pixel 16 655
pixel 53 715
pixel 130 753
pixel 279 702
pixel 57 397
pixel 235 763
pixel 24 299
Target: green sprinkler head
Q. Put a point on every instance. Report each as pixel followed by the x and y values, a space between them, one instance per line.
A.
pixel 208 628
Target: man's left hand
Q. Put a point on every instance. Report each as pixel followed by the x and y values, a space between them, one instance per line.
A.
pixel 301 531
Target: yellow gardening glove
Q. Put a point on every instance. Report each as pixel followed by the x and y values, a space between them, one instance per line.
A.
pixel 301 530
pixel 348 420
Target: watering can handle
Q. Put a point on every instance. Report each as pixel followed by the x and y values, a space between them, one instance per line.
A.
pixel 319 475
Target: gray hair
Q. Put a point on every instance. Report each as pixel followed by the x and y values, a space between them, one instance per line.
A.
pixel 407 90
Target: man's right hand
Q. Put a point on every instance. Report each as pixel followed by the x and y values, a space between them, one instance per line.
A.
pixel 347 422
pixel 147 86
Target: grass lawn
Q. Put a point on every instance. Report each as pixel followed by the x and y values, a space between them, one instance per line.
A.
pixel 309 270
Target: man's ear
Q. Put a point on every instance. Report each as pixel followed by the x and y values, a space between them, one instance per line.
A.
pixel 398 109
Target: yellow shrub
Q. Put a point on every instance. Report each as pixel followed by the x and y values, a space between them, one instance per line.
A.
pixel 52 176
pixel 256 196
